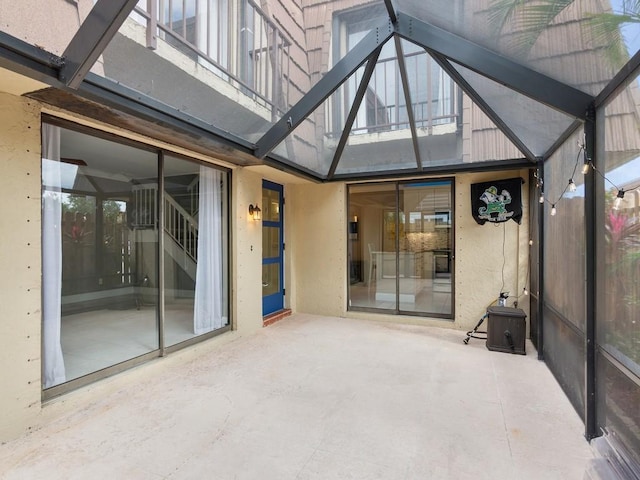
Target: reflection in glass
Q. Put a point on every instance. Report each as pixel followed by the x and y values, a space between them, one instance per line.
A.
pixel 195 249
pixel 101 299
pixel 401 257
pixel 270 279
pixel 271 206
pixel 602 36
pixel 270 242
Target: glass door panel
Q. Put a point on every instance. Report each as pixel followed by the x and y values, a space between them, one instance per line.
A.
pixel 272 248
pixel 371 246
pixel 400 247
pixel 425 248
pixel 195 281
pixel 101 197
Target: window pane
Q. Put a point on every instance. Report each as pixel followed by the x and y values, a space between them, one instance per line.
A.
pixel 100 214
pixel 270 279
pixel 195 252
pixel 270 205
pixel 270 242
pixel 400 251
pixel 425 248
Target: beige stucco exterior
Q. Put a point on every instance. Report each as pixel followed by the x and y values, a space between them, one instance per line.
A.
pixel 316 257
pixel 315 269
pixel 320 254
pixel 20 287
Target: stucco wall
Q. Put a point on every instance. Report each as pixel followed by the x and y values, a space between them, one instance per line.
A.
pixel 33 22
pixel 319 256
pixel 20 264
pixel 318 247
pixel 479 258
pixel 247 252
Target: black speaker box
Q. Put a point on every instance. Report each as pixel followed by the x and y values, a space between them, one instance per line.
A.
pixel 506 329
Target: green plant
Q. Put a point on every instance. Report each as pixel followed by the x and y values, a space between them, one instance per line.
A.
pixel 526 20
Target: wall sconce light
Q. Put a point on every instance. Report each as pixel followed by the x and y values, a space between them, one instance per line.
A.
pixel 255 212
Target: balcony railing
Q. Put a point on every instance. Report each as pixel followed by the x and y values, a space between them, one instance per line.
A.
pixel 233 38
pixel 434 95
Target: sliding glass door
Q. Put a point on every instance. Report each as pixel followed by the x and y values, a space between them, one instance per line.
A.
pixel 105 219
pixel 401 247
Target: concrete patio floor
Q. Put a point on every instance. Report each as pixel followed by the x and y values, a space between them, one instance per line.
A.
pixel 318 398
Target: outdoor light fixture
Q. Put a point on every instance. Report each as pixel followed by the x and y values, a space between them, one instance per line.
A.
pixel 572 186
pixel 553 210
pixel 255 212
pixel 618 200
pixel 585 168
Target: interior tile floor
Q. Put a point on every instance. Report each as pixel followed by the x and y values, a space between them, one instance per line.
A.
pixel 98 339
pixel 427 299
pixel 319 398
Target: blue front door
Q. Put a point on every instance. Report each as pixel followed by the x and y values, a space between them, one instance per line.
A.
pixel 272 248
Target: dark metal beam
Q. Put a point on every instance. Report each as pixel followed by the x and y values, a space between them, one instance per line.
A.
pixel 500 69
pixel 484 106
pixel 407 100
pixel 391 11
pixel 93 36
pixel 28 60
pixel 285 165
pixel 590 215
pixel 563 138
pixel 497 165
pixel 325 87
pixel 362 90
pixel 626 74
pixel 540 294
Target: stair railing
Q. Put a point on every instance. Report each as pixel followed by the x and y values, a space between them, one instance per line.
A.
pixel 181 226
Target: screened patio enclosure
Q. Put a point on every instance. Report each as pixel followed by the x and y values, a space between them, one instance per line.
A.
pixel 349 90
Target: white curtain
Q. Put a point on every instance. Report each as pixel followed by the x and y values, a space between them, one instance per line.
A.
pixel 208 309
pixel 53 370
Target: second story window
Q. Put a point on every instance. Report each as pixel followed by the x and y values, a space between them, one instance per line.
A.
pixel 432 92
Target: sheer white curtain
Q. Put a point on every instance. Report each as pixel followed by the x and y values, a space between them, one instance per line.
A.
pixel 208 311
pixel 53 370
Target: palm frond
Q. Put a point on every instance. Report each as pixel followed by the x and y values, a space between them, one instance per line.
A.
pixel 501 11
pixel 604 29
pixel 525 19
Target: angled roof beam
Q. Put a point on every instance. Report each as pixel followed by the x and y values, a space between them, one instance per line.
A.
pixel 325 87
pixel 391 11
pixel 484 106
pixel 407 100
pixel 517 77
pixel 93 36
pixel 362 90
